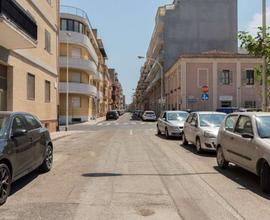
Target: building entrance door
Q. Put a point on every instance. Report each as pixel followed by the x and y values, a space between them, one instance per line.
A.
pixel 3 88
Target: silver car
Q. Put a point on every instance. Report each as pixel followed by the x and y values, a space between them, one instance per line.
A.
pixel 149 116
pixel 171 123
pixel 244 139
pixel 201 129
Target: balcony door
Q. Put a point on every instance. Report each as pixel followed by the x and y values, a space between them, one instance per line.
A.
pixel 3 88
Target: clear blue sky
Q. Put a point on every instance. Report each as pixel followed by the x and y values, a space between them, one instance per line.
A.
pixel 126 26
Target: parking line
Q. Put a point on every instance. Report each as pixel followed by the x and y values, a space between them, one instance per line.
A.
pixel 131 132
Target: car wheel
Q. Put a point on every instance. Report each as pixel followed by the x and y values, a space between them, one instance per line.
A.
pixel 221 161
pixel 167 133
pixel 158 131
pixel 185 142
pixel 265 178
pixel 5 183
pixel 46 166
pixel 198 146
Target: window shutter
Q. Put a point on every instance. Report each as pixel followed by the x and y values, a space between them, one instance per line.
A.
pixel 220 78
pixel 230 77
pixel 243 78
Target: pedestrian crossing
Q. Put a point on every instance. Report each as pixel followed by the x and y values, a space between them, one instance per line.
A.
pixel 124 123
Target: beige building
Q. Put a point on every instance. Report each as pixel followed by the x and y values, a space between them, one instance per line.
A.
pixel 230 77
pixel 83 62
pixel 29 58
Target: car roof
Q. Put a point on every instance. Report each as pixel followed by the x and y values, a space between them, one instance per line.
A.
pixel 9 113
pixel 204 113
pixel 175 111
pixel 257 114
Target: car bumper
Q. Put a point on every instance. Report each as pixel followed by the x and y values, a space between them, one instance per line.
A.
pixel 149 119
pixel 209 143
pixel 175 133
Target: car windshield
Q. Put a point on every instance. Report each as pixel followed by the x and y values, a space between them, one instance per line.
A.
pixel 263 126
pixel 3 124
pixel 150 113
pixel 177 116
pixel 211 120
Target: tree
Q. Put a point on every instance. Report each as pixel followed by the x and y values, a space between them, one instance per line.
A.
pixel 258 46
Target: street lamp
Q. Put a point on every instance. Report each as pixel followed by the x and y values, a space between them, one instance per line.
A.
pixel 67 83
pixel 264 72
pixel 161 77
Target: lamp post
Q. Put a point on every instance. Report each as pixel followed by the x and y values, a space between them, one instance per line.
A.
pixel 264 72
pixel 161 77
pixel 67 83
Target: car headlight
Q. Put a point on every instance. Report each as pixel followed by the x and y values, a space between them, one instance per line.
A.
pixel 208 134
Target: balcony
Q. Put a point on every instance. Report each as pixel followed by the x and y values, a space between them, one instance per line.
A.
pixel 99 76
pixel 80 64
pixel 79 39
pixel 78 88
pixel 100 95
pixel 18 28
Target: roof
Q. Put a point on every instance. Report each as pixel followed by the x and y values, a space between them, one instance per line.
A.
pixel 214 113
pixel 219 54
pixel 252 113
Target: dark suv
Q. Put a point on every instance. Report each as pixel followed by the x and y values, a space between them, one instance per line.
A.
pixel 25 145
pixel 112 115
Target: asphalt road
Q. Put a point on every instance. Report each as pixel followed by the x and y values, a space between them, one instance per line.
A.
pixel 123 170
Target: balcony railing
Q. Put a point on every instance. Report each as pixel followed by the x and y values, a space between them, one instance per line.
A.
pixel 75 11
pixel 12 11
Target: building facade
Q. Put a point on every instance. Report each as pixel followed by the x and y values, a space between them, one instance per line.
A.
pixel 83 65
pixel 117 91
pixel 185 27
pixel 231 80
pixel 29 58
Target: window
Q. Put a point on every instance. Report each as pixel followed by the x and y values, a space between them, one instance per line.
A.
pixel 250 77
pixel 47 41
pixel 76 102
pixel 76 77
pixel 230 122
pixel 18 123
pixel 32 122
pixel 76 26
pixel 47 91
pixel 244 125
pixel 63 24
pixel 31 87
pixel 70 25
pixel 250 104
pixel 226 77
pixel 226 104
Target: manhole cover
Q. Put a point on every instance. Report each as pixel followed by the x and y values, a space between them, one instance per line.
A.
pixel 146 212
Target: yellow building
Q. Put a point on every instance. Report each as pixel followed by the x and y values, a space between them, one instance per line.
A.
pixel 29 58
pixel 83 64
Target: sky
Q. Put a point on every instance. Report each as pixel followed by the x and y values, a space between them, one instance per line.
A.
pixel 126 27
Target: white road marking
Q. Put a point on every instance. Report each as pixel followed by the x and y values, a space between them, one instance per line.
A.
pixel 131 132
pixel 108 124
pixel 142 123
pixel 100 124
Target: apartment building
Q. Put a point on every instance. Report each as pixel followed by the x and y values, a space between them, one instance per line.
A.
pixel 230 77
pixel 117 91
pixel 185 27
pixel 29 58
pixel 83 71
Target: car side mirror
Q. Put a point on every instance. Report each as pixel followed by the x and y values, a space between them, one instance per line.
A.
pixel 248 136
pixel 19 132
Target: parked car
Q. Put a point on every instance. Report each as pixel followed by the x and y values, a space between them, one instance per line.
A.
pixel 201 129
pixel 244 139
pixel 228 110
pixel 25 145
pixel 149 116
pixel 171 123
pixel 112 115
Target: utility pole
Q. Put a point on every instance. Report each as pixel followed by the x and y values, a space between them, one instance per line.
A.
pixel 264 72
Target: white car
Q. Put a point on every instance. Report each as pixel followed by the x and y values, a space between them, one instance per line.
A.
pixel 171 123
pixel 149 116
pixel 244 139
pixel 201 129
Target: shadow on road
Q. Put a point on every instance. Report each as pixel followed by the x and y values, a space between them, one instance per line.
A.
pixel 21 183
pixel 98 175
pixel 246 180
pixel 161 136
pixel 192 149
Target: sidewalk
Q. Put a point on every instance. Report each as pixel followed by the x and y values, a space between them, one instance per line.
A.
pixel 62 134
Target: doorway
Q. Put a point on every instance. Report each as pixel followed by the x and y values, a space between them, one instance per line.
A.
pixel 3 88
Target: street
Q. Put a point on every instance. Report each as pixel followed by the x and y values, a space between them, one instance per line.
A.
pixel 123 170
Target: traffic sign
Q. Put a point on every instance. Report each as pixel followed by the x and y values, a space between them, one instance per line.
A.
pixel 205 97
pixel 205 89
